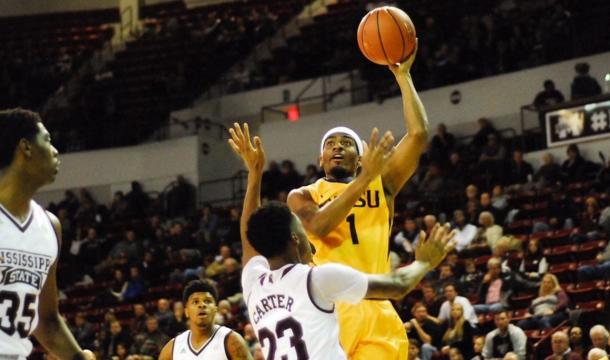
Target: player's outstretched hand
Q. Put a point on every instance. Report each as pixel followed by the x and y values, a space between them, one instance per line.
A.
pixel 376 154
pixel 433 248
pixel 253 155
pixel 404 67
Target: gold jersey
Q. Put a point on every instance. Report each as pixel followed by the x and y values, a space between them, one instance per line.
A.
pixel 362 238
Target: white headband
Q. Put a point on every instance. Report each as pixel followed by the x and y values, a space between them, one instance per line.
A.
pixel 345 131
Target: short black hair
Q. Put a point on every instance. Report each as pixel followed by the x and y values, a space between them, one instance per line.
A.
pixel 196 286
pixel 15 124
pixel 269 229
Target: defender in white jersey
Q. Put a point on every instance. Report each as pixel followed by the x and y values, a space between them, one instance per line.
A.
pixel 291 304
pixel 29 242
pixel 204 339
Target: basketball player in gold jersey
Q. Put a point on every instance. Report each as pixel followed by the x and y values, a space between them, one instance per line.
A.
pixel 348 218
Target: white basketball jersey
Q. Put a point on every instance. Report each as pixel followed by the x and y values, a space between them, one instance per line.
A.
pixel 213 349
pixel 289 325
pixel 27 251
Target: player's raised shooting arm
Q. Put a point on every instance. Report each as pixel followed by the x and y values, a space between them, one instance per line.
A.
pixel 166 352
pixel 253 156
pixel 404 161
pixel 321 221
pixel 52 332
pixel 236 347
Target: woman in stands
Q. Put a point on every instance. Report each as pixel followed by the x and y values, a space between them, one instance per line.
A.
pixel 458 333
pixel 534 264
pixel 549 308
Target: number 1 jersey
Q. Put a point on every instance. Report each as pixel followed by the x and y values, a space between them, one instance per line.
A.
pixel 27 252
pixel 292 308
pixel 362 239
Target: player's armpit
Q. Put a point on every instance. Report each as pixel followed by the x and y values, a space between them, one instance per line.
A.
pixel 166 352
pixel 236 347
pixel 397 284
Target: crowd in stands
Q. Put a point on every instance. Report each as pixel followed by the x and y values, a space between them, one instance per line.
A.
pixel 532 255
pixel 458 41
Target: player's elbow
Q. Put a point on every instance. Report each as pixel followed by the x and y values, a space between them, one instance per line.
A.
pixel 419 136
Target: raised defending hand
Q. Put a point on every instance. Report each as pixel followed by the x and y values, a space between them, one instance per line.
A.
pixel 433 248
pixel 404 67
pixel 253 155
pixel 376 154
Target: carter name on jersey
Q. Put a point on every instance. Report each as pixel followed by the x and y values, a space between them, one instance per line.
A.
pixel 20 267
pixel 271 302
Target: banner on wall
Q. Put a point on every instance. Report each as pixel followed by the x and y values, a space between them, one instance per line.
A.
pixel 576 124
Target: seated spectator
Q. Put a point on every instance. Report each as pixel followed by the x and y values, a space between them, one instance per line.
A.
pixel 589 228
pixel 406 239
pixel 163 313
pixel 489 232
pixel 433 181
pixel 599 271
pixel 470 280
pixel 549 174
pixel 574 169
pixel 311 175
pixel 224 316
pixel 583 85
pixel 561 214
pixel 549 308
pixel 452 297
pixel 177 324
pixel 579 344
pixel 425 330
pixel 119 285
pixel 443 142
pixel 208 224
pixel 561 348
pixel 431 300
pixel 445 276
pixel 116 336
pixel 504 339
pixel 534 264
pixel 83 331
pixel 472 195
pixel 599 338
pixel 494 150
pixel 457 171
pixel 152 341
pixel 429 222
pixel 122 352
pixel 597 354
pixel 457 333
pixel 549 96
pixel 135 286
pixel 494 291
pixel 455 354
pixel 478 344
pixel 289 177
pixel 230 281
pixel 482 135
pixel 414 349
pixel 602 179
pixel 486 205
pixel 499 199
pixel 519 170
pixel 138 320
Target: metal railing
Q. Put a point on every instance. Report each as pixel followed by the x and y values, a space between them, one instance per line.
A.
pixel 237 184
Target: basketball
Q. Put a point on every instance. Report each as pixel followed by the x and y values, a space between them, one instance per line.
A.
pixel 386 35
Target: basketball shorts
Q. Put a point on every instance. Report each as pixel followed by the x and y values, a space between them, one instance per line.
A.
pixel 372 329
